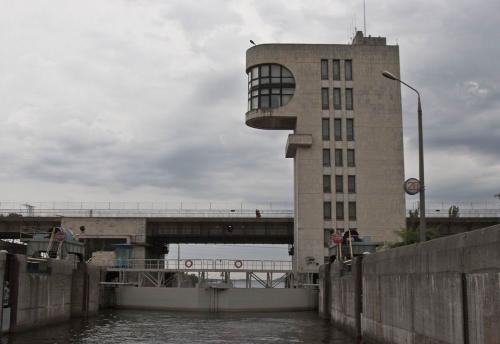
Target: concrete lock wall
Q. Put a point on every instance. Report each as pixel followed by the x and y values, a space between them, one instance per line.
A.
pixel 39 298
pixel 85 291
pixel 345 290
pixel 324 294
pixel 442 291
pixel 210 299
pixel 3 258
pixel 42 298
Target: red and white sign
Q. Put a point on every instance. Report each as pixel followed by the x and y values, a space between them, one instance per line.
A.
pixel 337 238
pixel 59 236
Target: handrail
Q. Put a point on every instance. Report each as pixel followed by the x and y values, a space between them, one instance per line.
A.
pixel 201 265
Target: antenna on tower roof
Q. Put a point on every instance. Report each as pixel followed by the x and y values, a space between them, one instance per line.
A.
pixel 364 15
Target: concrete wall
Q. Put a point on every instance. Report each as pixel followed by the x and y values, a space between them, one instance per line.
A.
pixel 207 299
pixel 3 258
pixel 324 294
pixel 442 291
pixel 131 229
pixel 40 298
pixel 85 290
pixel 345 296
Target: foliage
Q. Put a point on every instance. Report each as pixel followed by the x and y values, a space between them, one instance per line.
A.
pixel 453 212
pixel 411 235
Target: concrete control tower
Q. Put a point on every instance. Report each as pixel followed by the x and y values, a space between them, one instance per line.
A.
pixel 347 141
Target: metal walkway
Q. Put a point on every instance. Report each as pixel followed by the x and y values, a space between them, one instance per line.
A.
pixel 171 272
pixel 201 265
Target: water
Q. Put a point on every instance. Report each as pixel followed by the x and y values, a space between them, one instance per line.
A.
pixel 140 327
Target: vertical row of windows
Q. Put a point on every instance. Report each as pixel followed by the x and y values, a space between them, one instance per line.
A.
pixel 339 158
pixel 339 211
pixel 337 101
pixel 336 70
pixel 346 102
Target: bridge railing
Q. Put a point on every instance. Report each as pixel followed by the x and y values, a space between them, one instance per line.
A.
pixel 145 209
pixel 437 212
pixel 210 209
pixel 202 265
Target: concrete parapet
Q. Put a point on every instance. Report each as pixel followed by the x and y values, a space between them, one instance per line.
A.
pixel 442 291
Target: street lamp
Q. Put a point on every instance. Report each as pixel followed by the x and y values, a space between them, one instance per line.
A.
pixel 420 156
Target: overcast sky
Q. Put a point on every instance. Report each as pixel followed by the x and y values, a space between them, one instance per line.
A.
pixel 145 100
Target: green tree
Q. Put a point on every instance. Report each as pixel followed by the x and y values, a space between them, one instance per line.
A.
pixel 411 234
pixel 454 211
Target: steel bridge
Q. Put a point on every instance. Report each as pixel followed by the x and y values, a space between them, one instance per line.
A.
pixel 169 272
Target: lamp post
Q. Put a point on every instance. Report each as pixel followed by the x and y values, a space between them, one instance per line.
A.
pixel 388 75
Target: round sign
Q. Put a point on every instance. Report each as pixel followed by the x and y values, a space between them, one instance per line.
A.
pixel 412 186
pixel 337 238
pixel 59 236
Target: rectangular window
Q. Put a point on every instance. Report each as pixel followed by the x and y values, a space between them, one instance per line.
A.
pixel 327 236
pixel 337 127
pixel 326 157
pixel 339 184
pixel 327 184
pixel 324 69
pixel 348 99
pixel 350 158
pixel 348 69
pixel 325 123
pixel 350 129
pixel 338 158
pixel 351 184
pixel 327 210
pixel 275 74
pixel 336 69
pixel 337 104
pixel 339 210
pixel 352 211
pixel 324 99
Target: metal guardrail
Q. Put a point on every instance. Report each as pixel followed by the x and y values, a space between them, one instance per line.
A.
pixel 215 209
pixel 465 209
pixel 200 265
pixel 144 209
pixel 462 213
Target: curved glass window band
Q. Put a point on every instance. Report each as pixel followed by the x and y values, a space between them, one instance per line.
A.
pixel 269 86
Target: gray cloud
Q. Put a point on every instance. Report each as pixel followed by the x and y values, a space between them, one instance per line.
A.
pixel 146 99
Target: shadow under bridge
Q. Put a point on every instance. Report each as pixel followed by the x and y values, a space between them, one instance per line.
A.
pixel 219 230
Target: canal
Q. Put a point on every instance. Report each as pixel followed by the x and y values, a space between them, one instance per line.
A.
pixel 145 327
